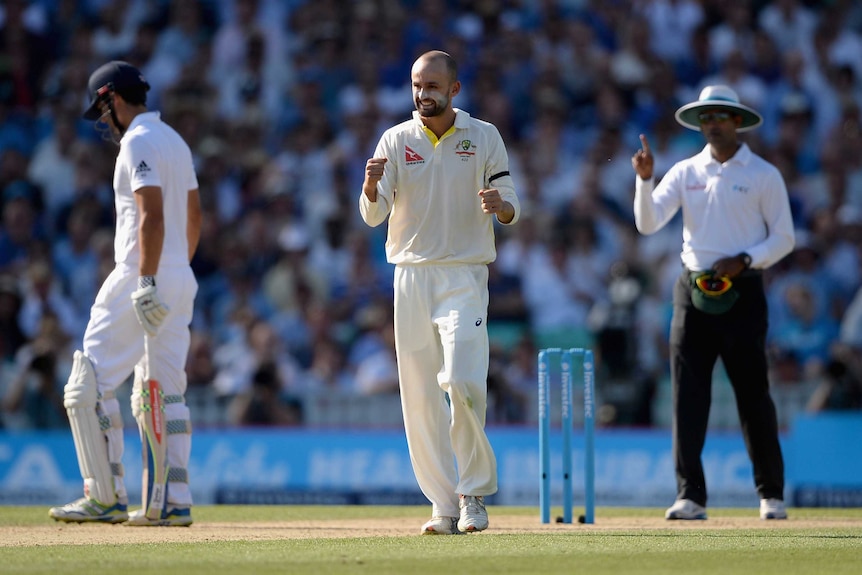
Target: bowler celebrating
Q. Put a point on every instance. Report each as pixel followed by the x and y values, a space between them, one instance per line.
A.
pixel 442 178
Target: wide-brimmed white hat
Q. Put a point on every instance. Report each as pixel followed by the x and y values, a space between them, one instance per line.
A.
pixel 718 97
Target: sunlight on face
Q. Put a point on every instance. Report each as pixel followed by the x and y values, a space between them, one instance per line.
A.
pixel 432 87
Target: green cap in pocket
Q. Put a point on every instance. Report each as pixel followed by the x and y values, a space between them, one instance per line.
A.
pixel 711 294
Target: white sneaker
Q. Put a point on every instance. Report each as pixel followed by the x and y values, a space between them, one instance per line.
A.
pixel 171 517
pixel 474 517
pixel 441 526
pixel 772 509
pixel 86 510
pixel 685 509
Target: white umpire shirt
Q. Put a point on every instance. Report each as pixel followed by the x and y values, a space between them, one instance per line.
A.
pixel 431 187
pixel 153 154
pixel 728 208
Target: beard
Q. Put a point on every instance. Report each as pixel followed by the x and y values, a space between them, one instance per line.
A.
pixel 436 109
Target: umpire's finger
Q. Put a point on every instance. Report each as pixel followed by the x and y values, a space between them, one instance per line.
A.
pixel 645 144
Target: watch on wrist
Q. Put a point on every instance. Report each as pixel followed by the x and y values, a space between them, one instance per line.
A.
pixel 746 259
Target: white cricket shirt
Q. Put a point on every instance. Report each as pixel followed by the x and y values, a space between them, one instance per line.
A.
pixel 738 206
pixel 430 191
pixel 153 154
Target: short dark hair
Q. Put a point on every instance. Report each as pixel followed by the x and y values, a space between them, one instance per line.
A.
pixel 451 64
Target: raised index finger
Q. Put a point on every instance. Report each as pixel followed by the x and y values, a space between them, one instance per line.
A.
pixel 644 144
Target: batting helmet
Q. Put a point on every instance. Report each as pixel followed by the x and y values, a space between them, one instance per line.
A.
pixel 117 76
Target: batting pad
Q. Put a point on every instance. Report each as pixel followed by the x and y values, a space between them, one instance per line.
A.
pixel 80 398
pixel 108 411
pixel 179 449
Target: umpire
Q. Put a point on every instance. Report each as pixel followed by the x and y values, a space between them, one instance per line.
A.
pixel 736 223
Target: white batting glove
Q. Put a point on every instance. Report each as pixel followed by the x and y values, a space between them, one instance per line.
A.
pixel 151 312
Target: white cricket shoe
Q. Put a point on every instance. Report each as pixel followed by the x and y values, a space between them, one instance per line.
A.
pixel 86 510
pixel 772 509
pixel 474 517
pixel 441 526
pixel 685 509
pixel 171 517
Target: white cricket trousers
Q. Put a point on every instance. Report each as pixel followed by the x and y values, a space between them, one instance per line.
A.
pixel 114 342
pixel 441 341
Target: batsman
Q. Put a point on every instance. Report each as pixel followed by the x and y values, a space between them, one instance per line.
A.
pixel 140 320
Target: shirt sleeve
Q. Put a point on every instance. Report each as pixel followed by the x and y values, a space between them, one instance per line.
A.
pixel 497 174
pixel 780 237
pixel 375 213
pixel 192 177
pixel 143 164
pixel 655 206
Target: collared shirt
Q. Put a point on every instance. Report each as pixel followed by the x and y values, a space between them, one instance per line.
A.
pixel 430 191
pixel 737 206
pixel 153 154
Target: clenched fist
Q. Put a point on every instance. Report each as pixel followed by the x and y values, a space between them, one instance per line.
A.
pixel 493 203
pixel 373 173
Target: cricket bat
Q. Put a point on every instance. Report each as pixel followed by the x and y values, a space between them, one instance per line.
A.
pixel 154 442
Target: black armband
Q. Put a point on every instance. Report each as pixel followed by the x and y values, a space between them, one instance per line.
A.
pixel 497 176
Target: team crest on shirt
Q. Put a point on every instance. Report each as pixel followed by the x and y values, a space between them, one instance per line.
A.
pixel 465 149
pixel 411 157
pixel 142 168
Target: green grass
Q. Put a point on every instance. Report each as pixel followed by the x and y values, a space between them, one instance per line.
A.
pixel 696 549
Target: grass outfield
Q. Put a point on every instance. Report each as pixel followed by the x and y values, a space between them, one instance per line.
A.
pixel 301 540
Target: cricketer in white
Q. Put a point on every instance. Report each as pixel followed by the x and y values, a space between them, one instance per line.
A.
pixel 441 178
pixel 150 293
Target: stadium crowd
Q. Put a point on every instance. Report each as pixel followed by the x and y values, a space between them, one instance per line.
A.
pixel 282 102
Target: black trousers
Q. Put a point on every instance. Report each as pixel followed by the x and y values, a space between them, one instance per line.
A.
pixel 738 337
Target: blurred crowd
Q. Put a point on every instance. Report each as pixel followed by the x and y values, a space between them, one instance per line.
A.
pixel 282 102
